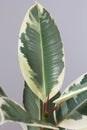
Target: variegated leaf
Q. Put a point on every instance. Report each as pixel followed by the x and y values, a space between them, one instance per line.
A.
pixel 41 54
pixel 11 111
pixel 75 88
pixel 71 118
pixel 72 114
pixel 2 93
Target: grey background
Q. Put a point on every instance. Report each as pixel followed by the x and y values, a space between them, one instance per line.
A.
pixel 71 18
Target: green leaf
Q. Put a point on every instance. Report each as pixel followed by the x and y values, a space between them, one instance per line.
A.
pixel 75 88
pixel 62 128
pixel 11 111
pixel 2 93
pixel 41 53
pixel 69 114
pixel 74 110
pixel 32 104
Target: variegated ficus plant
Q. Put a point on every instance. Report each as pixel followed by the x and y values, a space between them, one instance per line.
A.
pixel 42 62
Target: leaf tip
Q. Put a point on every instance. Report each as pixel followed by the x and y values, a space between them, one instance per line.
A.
pixel 39 6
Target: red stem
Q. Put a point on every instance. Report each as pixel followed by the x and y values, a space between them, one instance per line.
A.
pixel 47 102
pixel 50 111
pixel 45 105
pixel 40 128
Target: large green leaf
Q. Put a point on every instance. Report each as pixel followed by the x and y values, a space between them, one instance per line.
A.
pixel 78 86
pixel 32 104
pixel 72 113
pixel 41 54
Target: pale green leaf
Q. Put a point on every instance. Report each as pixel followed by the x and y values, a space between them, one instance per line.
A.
pixel 41 54
pixel 75 88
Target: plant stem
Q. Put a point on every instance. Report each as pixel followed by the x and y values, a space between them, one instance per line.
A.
pixel 52 110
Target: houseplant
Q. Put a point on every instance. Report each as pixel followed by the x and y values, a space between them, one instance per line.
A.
pixel 42 62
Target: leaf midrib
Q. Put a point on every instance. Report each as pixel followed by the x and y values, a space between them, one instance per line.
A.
pixel 42 61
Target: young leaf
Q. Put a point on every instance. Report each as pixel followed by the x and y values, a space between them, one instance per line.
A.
pixel 41 54
pixel 74 111
pixel 75 88
pixel 11 111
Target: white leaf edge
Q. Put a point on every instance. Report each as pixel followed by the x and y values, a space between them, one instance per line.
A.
pixel 75 124
pixel 34 124
pixel 65 97
pixel 25 68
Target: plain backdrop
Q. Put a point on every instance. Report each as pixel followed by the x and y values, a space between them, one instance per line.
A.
pixel 71 18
